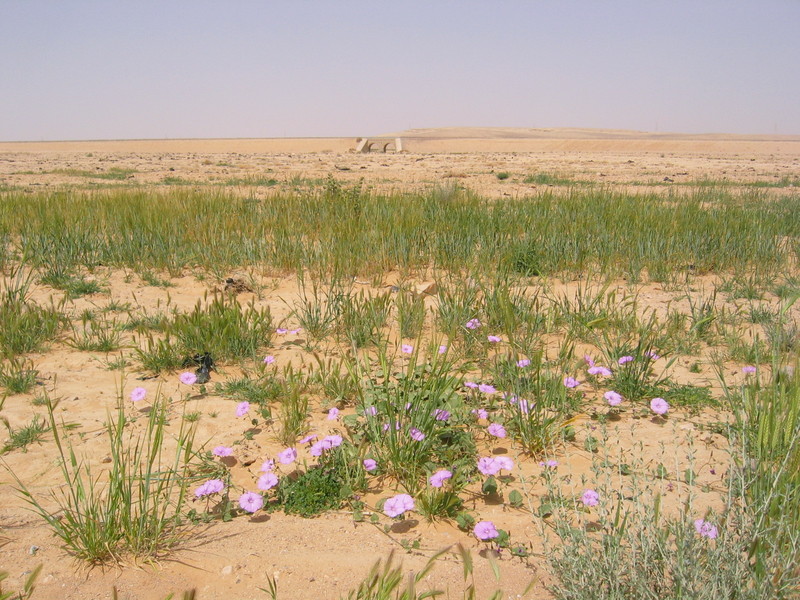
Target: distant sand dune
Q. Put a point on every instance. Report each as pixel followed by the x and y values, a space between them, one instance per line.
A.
pixel 569 133
pixel 451 140
pixel 205 146
pixel 514 139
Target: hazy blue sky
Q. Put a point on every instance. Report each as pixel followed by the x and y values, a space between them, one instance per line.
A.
pixel 79 69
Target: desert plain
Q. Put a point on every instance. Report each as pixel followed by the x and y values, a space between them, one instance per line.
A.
pixel 471 157
pixel 328 555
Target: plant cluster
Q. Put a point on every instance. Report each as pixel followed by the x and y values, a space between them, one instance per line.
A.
pixel 431 404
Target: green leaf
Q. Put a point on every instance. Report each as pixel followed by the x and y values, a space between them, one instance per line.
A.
pixel 465 521
pixel 502 540
pixel 689 476
pixel 490 485
pixel 519 550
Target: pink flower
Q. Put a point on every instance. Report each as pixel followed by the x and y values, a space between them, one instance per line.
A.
pixel 242 408
pixel 288 456
pixel 473 324
pixel 652 355
pixel 614 399
pixel 571 382
pixel 281 331
pixel 267 481
pixel 494 338
pixel 397 505
pixel 223 451
pixel 706 529
pixel 333 414
pixel 624 360
pixel 489 465
pixel 589 360
pixel 317 449
pixel 188 378
pixel 295 331
pixel 268 465
pixel 251 502
pixel 481 413
pixel 496 430
pixel 522 404
pixel 659 406
pixel 307 439
pixel 332 441
pixel 370 411
pixel 416 434
pixel 487 389
pixel 749 369
pixel 471 385
pixel 326 443
pixel 485 530
pixel 212 486
pixel 524 362
pixel 442 349
pixel 549 464
pixel 369 464
pixel 138 394
pixel 268 360
pixel 441 414
pixel 590 498
pixel 605 372
pixel 504 463
pixel 437 479
pixel 406 348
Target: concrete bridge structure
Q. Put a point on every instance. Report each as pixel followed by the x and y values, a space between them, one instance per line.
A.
pixel 379 144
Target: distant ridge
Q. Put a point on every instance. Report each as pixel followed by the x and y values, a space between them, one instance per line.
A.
pixel 444 140
pixel 573 133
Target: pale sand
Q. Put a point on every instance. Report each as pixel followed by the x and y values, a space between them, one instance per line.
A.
pixel 326 556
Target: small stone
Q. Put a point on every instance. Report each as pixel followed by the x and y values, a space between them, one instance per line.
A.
pixel 248 453
pixel 237 285
pixel 426 288
pixel 227 569
pixel 33 550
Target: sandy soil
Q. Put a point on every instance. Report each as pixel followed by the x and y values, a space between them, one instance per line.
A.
pixel 307 555
pixel 326 556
